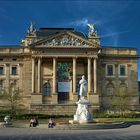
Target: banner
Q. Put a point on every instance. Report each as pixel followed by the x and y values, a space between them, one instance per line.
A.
pixel 63 86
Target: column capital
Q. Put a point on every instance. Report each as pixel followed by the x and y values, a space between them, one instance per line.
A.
pixel 40 57
pixel 7 64
pixel 95 57
pixel 90 57
pixel 55 57
pixel 75 57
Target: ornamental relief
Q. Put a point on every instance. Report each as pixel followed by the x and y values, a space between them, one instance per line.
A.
pixel 66 41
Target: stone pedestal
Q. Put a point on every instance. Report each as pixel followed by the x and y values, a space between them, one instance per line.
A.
pixel 82 113
pixel 96 99
pixel 75 97
pixel 36 98
pixel 54 98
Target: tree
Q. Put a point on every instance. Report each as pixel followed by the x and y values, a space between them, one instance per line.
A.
pixel 13 95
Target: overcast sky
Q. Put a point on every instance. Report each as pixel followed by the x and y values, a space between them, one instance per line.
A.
pixel 116 21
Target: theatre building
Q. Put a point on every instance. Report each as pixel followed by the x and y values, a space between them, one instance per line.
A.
pixel 49 62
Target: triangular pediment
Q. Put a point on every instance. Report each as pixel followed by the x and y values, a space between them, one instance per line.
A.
pixel 65 39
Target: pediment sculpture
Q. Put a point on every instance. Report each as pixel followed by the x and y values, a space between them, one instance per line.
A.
pixel 66 40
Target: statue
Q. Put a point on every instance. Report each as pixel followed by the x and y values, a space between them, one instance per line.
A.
pixel 91 29
pixel 83 87
pixel 82 114
pixel 31 30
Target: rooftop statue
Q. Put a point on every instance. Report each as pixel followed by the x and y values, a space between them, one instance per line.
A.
pixel 31 30
pixel 91 28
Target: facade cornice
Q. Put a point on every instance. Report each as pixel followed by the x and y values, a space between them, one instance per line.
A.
pixel 66 56
pixel 64 47
pixel 118 56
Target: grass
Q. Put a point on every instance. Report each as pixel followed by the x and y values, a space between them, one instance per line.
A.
pixel 45 121
pixel 66 120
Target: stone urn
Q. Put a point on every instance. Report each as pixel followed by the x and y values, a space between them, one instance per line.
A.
pixel 7 119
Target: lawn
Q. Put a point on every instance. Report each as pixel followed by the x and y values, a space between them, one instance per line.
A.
pixel 66 120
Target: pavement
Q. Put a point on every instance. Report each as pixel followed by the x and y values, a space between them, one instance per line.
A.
pixel 84 126
pixel 129 133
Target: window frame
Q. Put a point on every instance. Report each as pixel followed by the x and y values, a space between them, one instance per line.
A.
pixel 17 70
pixel 4 70
pixel 106 70
pixel 47 87
pixel 13 70
pixel 119 70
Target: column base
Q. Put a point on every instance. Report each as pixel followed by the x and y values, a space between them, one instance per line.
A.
pixel 93 98
pixel 74 97
pixel 54 98
pixel 90 97
pixel 96 99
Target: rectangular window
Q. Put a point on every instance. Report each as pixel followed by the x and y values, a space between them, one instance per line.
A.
pixel 109 70
pixel 14 70
pixel 122 70
pixel 1 70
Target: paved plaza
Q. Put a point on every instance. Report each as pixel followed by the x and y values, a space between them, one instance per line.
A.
pixel 130 133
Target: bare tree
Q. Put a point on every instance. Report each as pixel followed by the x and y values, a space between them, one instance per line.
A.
pixel 13 95
pixel 119 102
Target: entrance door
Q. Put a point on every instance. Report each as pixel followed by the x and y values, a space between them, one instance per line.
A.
pixel 64 74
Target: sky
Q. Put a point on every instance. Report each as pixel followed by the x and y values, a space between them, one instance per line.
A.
pixel 117 21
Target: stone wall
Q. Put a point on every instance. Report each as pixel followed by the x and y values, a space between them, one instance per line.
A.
pixel 27 81
pixel 60 109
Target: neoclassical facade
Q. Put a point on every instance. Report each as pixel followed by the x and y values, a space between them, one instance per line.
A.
pixel 49 63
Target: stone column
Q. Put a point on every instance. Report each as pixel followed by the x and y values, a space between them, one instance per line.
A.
pixel 89 75
pixel 54 75
pixel 54 94
pixel 36 98
pixel 95 74
pixel 94 97
pixel 39 74
pixel 33 75
pixel 74 75
pixel 75 96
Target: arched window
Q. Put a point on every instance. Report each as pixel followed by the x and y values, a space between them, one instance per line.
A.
pixel 47 89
